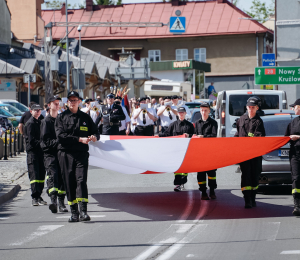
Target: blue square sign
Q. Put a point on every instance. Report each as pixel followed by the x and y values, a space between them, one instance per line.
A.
pixel 268 59
pixel 177 24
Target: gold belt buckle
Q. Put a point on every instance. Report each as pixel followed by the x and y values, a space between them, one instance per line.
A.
pixel 111 123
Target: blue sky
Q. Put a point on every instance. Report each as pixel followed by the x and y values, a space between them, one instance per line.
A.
pixel 243 4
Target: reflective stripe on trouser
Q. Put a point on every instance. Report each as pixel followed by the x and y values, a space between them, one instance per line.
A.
pixel 249 188
pixel 74 166
pixel 212 180
pixel 251 170
pixel 295 171
pixel 77 201
pixel 36 173
pixel 55 182
pixel 180 178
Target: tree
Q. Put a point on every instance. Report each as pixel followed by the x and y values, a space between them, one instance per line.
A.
pixel 102 2
pixel 56 4
pixel 260 11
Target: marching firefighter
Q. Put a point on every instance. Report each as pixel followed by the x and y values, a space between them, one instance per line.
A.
pixel 250 125
pixel 112 115
pixel 206 127
pixel 35 164
pixel 49 144
pixel 180 127
pixel 293 131
pixel 74 130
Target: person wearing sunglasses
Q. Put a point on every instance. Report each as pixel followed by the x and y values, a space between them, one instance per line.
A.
pixel 112 114
pixel 35 158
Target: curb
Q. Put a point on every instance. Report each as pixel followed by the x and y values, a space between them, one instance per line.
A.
pixel 6 196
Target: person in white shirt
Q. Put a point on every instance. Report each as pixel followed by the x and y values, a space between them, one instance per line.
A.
pixel 144 119
pixel 124 129
pixel 176 103
pixel 88 109
pixel 167 114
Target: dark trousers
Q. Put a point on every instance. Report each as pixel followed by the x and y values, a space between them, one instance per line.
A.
pixel 55 182
pixel 251 170
pixel 180 178
pixel 110 130
pixel 144 130
pixel 164 128
pixel 295 170
pixel 36 173
pixel 123 132
pixel 212 180
pixel 74 166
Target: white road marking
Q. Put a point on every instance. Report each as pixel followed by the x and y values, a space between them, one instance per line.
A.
pixel 188 208
pixel 41 231
pixel 153 248
pixel 178 245
pixel 3 218
pixel 275 228
pixel 92 216
pixel 290 252
pixel 190 255
pixel 184 228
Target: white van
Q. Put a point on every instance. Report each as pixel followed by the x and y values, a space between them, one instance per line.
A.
pixel 160 88
pixel 231 105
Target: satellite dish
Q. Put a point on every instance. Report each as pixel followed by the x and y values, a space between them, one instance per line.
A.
pixel 178 12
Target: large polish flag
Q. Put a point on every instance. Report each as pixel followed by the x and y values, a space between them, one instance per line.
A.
pixel 148 155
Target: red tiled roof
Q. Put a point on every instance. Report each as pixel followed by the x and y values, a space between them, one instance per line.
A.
pixel 202 19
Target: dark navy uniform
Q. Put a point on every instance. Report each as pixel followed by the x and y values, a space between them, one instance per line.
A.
pixel 294 156
pixel 179 128
pixel 207 128
pixel 73 155
pixel 112 116
pixel 35 162
pixel 252 168
pixel 49 144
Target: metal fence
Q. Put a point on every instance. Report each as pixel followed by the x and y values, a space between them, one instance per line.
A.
pixel 11 143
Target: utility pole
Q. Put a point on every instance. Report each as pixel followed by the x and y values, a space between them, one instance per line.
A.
pixel 67 39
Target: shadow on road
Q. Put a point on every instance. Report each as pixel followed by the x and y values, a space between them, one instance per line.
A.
pixel 166 206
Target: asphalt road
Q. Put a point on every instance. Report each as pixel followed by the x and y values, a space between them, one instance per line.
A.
pixel 141 217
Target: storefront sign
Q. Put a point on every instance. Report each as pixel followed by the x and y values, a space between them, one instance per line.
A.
pixel 182 64
pixel 7 85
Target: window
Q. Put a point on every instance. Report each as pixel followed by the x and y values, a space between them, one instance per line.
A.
pixel 182 54
pixel 200 54
pixel 154 55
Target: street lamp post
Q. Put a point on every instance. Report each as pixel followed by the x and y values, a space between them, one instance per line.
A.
pixel 68 72
pixel 79 30
pixel 12 51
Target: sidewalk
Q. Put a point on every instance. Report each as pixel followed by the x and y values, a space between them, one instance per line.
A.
pixel 13 174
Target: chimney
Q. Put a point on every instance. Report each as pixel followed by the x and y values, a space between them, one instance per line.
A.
pixel 89 5
pixel 175 2
pixel 63 9
pixel 221 1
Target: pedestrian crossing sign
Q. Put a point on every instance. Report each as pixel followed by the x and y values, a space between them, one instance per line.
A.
pixel 177 24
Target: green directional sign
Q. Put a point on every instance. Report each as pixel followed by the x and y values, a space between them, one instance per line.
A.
pixel 277 75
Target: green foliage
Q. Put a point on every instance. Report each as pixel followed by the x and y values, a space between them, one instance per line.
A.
pixel 107 2
pixel 260 11
pixel 56 4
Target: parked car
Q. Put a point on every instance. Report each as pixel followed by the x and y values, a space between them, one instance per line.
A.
pixel 276 164
pixel 4 121
pixel 14 114
pixel 12 119
pixel 15 103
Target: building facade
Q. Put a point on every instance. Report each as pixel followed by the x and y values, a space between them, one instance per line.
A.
pixel 5 28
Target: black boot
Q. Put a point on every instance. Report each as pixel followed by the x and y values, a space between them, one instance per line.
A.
pixel 53 205
pixel 204 195
pixel 212 194
pixel 296 211
pixel 253 196
pixel 83 212
pixel 62 206
pixel 75 214
pixel 247 198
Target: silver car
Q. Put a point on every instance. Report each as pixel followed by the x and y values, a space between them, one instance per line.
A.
pixel 276 165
